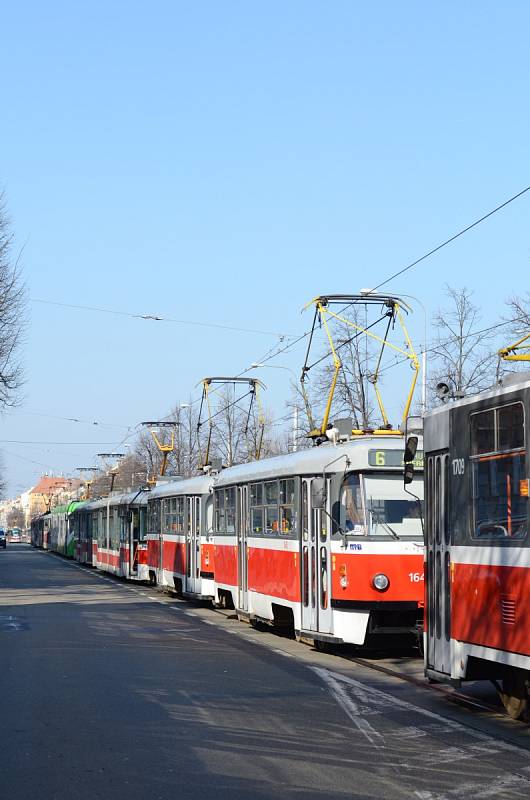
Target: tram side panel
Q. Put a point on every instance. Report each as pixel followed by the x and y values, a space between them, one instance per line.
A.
pixel 180 548
pixel 275 553
pixel 478 549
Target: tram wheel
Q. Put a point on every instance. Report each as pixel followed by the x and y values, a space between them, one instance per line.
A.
pixel 514 694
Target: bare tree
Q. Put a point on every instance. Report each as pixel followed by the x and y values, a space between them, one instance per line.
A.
pixel 518 319
pixel 358 353
pixel 16 518
pixel 148 454
pixel 131 473
pixel 186 456
pixel 12 315
pixel 462 357
pixel 3 482
pixel 228 432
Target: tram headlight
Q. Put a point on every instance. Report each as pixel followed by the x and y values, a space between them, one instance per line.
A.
pixel 380 582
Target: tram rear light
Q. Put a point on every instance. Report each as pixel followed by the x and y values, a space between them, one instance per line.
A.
pixel 523 487
pixel 343 576
pixel 380 582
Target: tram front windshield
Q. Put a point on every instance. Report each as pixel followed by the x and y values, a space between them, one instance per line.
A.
pixel 377 505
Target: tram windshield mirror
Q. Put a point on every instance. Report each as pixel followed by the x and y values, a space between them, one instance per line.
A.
pixel 318 493
pixel 408 474
pixel 410 451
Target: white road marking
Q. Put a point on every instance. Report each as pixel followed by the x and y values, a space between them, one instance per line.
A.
pixel 479 791
pixel 334 679
pixel 351 709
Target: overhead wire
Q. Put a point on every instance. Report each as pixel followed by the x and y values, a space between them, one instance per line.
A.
pixel 157 318
pixel 285 348
pixel 451 239
pixel 68 419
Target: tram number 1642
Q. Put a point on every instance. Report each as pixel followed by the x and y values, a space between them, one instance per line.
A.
pixel 415 577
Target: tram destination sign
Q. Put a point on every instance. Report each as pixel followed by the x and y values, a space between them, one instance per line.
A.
pixel 392 458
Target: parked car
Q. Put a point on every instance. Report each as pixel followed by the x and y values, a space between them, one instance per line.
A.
pixel 3 540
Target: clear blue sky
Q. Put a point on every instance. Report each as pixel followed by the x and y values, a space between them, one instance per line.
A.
pixel 227 161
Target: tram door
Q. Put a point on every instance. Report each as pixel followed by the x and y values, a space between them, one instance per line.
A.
pixel 193 545
pixel 134 538
pixel 315 565
pixel 163 507
pixel 438 576
pixel 124 523
pixel 86 522
pixel 242 526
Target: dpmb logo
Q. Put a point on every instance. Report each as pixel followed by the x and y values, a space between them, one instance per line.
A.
pixel 459 466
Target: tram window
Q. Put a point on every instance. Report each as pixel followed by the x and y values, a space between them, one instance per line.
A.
pixel 510 427
pixel 389 509
pixel 271 493
pixel 287 505
pixel 256 508
pixel 271 519
pixel 497 429
pixel 286 519
pixel 482 432
pixel 178 519
pixel 323 578
pixel 256 494
pixel 438 496
pixel 500 497
pixel 287 492
pixel 220 511
pixel 141 535
pixel 305 576
pixel 305 512
pixel 256 520
pixel 230 509
pixel 499 480
pixel 352 506
pixel 154 516
pixel 166 520
pixel 209 515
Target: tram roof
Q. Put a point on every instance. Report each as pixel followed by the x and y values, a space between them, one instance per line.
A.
pixel 200 484
pixel 514 383
pixel 128 499
pixel 311 461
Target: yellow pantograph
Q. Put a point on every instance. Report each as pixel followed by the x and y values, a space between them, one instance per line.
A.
pixel 323 312
pixel 518 351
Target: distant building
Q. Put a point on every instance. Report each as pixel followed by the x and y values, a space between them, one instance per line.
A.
pixel 50 492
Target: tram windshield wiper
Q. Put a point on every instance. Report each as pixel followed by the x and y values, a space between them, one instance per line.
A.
pixel 378 521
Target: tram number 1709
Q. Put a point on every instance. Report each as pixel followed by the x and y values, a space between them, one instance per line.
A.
pixel 459 466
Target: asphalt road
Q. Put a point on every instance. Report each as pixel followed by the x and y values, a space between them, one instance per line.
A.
pixel 110 690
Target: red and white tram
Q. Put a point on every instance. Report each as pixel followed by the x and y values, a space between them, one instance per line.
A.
pixel 324 539
pixel 477 543
pixel 179 538
pixel 110 534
